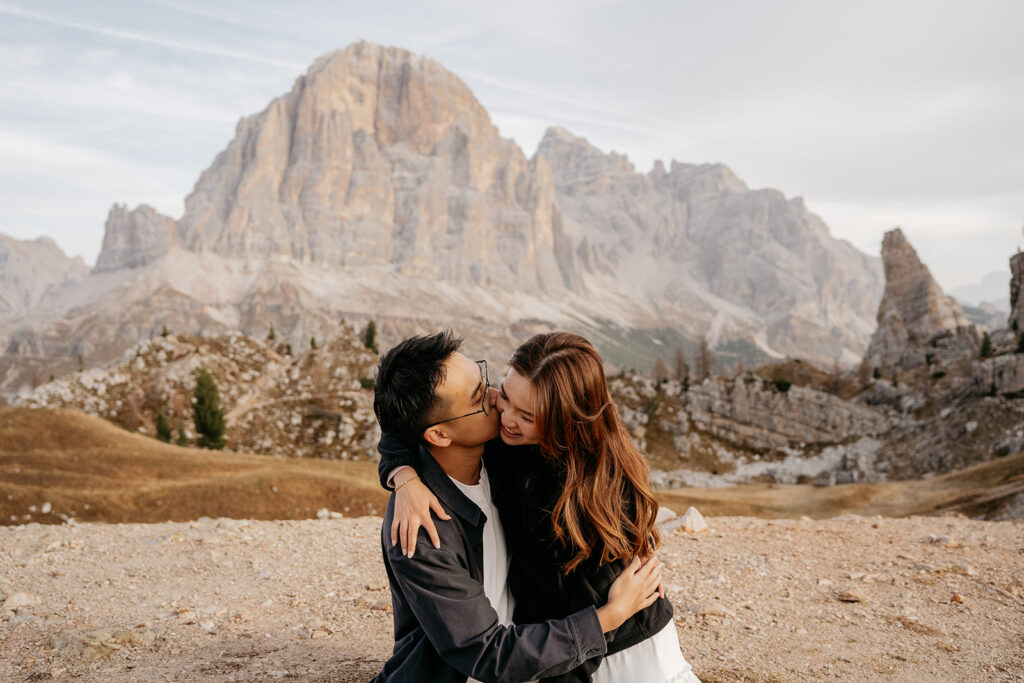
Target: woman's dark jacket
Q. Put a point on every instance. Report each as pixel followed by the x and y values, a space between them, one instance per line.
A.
pixel 524 487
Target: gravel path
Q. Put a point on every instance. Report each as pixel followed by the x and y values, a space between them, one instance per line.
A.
pixel 850 599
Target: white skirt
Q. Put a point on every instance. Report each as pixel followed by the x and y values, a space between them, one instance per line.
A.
pixel 657 659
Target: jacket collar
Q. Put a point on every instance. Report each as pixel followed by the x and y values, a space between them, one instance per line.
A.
pixel 435 478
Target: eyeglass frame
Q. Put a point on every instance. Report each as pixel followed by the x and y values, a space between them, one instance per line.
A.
pixel 485 379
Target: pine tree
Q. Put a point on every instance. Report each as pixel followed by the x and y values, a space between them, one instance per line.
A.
pixel 312 342
pixel 182 439
pixel 207 413
pixel 370 337
pixel 705 362
pixel 682 368
pixel 660 371
pixel 986 345
pixel 163 429
pixel 163 330
pixel 271 336
pixel 864 372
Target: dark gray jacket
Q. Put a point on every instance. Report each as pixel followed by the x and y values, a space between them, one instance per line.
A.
pixel 445 627
pixel 524 487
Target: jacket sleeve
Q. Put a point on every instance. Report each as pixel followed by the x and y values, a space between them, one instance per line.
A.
pixel 393 453
pixel 464 629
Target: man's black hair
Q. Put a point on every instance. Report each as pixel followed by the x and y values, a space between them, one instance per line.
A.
pixel 405 392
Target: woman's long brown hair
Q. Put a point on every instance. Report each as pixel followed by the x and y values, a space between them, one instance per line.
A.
pixel 606 504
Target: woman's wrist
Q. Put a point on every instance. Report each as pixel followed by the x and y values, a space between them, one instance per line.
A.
pixel 403 475
pixel 610 617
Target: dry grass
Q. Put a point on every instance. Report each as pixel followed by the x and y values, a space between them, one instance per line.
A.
pixel 91 470
pixel 94 471
pixel 972 491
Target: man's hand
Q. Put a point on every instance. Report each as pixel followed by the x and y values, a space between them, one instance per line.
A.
pixel 413 503
pixel 636 587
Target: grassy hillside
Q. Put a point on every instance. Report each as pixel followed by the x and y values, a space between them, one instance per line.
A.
pixel 91 470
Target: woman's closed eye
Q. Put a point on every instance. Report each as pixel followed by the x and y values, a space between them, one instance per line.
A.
pixel 504 397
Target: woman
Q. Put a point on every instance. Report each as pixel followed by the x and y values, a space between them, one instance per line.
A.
pixel 584 507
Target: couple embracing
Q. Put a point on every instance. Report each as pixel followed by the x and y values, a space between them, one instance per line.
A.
pixel 541 563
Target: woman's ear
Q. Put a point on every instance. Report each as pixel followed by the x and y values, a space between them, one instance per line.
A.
pixel 437 436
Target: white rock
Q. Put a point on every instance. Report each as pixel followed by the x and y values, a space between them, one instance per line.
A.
pixel 693 522
pixel 19 600
pixel 664 514
pixel 46 508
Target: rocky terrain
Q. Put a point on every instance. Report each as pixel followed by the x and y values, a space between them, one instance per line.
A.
pixel 936 407
pixel 378 186
pixel 917 322
pixel 314 403
pixel 850 599
pixel 30 272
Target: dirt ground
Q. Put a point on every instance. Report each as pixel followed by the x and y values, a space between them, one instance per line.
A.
pixel 847 599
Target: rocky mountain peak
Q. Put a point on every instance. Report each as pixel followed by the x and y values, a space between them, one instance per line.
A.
pixel 29 269
pixel 378 157
pixel 135 238
pixel 578 165
pixel 916 318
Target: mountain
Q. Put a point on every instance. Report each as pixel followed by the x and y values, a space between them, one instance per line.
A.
pixel 917 321
pixel 992 290
pixel 379 187
pixel 31 271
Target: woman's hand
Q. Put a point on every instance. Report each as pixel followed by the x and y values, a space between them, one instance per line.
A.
pixel 636 587
pixel 413 503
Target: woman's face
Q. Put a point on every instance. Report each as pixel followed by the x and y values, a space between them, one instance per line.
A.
pixel 515 404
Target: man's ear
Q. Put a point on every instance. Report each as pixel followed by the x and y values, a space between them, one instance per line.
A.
pixel 437 436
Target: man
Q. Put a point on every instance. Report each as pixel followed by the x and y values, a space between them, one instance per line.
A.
pixel 452 608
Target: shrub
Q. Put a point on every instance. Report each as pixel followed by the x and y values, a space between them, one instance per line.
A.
pixel 207 413
pixel 370 337
pixel 163 429
pixel 781 385
pixel 986 346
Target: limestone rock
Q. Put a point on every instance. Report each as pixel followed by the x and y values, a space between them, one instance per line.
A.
pixel 693 522
pixel 915 317
pixel 750 412
pixel 665 514
pixel 20 600
pixel 31 273
pixel 135 238
pixel 696 236
pixel 1017 291
pixel 379 183
pixel 379 157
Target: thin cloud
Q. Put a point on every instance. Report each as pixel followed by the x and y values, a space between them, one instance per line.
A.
pixel 149 40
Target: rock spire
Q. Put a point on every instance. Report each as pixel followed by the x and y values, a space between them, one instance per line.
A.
pixel 916 318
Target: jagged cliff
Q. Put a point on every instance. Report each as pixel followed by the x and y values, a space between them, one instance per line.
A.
pixel 378 186
pixel 31 271
pixel 917 322
pixel 1016 320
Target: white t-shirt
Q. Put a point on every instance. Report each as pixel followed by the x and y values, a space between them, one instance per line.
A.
pixel 496 559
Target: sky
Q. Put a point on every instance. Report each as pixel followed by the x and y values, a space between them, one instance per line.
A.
pixel 878 114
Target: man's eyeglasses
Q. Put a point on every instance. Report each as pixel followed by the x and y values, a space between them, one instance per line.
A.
pixel 485 383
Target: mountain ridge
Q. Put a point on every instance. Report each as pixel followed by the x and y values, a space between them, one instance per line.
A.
pixel 380 175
